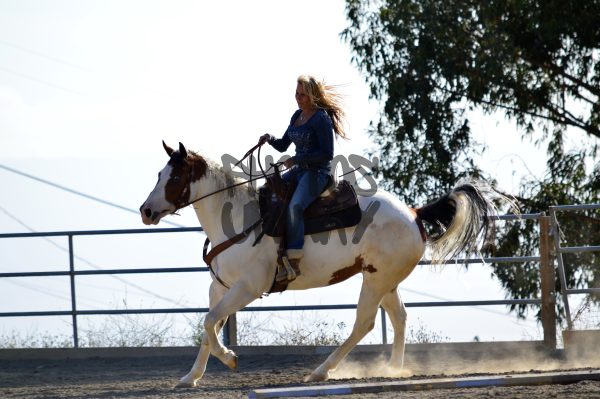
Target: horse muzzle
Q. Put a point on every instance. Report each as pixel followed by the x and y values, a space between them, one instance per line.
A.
pixel 151 217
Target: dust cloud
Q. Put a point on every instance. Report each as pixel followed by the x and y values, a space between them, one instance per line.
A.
pixel 377 367
pixel 467 359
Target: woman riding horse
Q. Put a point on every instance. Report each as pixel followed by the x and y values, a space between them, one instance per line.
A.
pixel 311 129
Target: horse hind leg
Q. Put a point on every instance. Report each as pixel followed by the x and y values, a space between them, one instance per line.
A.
pixel 366 311
pixel 396 311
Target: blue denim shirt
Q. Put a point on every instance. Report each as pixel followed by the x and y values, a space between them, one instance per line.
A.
pixel 313 140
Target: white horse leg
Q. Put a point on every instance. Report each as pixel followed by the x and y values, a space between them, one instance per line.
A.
pixel 395 309
pixel 216 292
pixel 234 299
pixel 199 367
pixel 366 312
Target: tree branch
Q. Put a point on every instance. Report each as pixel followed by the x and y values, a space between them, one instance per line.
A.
pixel 572 90
pixel 568 116
pixel 559 71
pixel 550 66
pixel 561 121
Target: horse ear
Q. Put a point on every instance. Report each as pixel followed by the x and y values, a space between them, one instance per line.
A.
pixel 182 150
pixel 168 149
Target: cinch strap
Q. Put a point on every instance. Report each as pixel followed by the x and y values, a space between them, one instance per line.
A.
pixel 208 257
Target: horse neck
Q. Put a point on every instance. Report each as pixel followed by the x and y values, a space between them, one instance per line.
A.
pixel 220 207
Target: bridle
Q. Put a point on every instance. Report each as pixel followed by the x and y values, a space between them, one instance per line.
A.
pixel 252 177
pixel 207 255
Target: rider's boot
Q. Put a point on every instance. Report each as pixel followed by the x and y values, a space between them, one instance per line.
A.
pixel 289 268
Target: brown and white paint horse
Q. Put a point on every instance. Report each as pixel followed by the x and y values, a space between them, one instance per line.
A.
pixel 387 252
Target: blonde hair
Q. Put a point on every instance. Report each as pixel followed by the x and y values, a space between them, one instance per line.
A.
pixel 325 96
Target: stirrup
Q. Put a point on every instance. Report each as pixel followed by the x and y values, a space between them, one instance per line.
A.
pixel 285 272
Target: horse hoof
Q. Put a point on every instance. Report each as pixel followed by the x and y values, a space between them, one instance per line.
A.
pixel 398 372
pixel 317 377
pixel 231 361
pixel 185 384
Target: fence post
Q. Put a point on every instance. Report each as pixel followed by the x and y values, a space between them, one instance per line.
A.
pixel 548 281
pixel 73 295
pixel 230 331
pixel 383 327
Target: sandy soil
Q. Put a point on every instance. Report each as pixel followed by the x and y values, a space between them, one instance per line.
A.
pixel 155 377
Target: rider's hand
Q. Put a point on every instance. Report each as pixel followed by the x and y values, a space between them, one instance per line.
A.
pixel 264 138
pixel 289 162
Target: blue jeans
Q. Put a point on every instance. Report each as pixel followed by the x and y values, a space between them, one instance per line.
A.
pixel 310 184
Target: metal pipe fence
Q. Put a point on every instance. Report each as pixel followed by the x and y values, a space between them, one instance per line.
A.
pixel 74 312
pixel 560 250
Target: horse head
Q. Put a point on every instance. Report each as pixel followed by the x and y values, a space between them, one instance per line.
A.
pixel 172 191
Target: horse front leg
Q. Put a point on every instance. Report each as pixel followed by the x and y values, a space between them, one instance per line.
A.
pixel 234 299
pixel 199 367
pixel 216 292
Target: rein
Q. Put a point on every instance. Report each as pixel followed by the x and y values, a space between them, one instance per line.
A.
pixel 251 179
pixel 208 256
pixel 218 191
pixel 263 174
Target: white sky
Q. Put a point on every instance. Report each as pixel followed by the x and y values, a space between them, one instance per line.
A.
pixel 104 78
pixel 88 89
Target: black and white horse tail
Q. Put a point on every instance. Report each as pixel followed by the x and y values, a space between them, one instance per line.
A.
pixel 462 218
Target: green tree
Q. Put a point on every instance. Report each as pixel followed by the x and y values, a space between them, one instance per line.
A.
pixel 538 62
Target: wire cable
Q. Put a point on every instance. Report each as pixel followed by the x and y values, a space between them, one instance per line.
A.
pixel 38 80
pixel 118 278
pixel 38 54
pixel 54 293
pixel 103 76
pixel 79 193
pixel 480 308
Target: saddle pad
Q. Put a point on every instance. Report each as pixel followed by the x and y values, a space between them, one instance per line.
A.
pixel 336 211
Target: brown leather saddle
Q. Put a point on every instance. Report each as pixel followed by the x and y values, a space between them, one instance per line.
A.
pixel 336 208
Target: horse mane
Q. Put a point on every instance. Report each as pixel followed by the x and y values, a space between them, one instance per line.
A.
pixel 223 179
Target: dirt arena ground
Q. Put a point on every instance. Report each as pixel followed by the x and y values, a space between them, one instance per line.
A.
pixel 155 376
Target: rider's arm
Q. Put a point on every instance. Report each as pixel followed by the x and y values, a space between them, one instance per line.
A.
pixel 281 144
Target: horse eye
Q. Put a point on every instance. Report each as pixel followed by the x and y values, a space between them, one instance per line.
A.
pixel 175 178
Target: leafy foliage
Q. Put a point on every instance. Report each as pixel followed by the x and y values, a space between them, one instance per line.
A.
pixel 430 62
pixel 566 182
